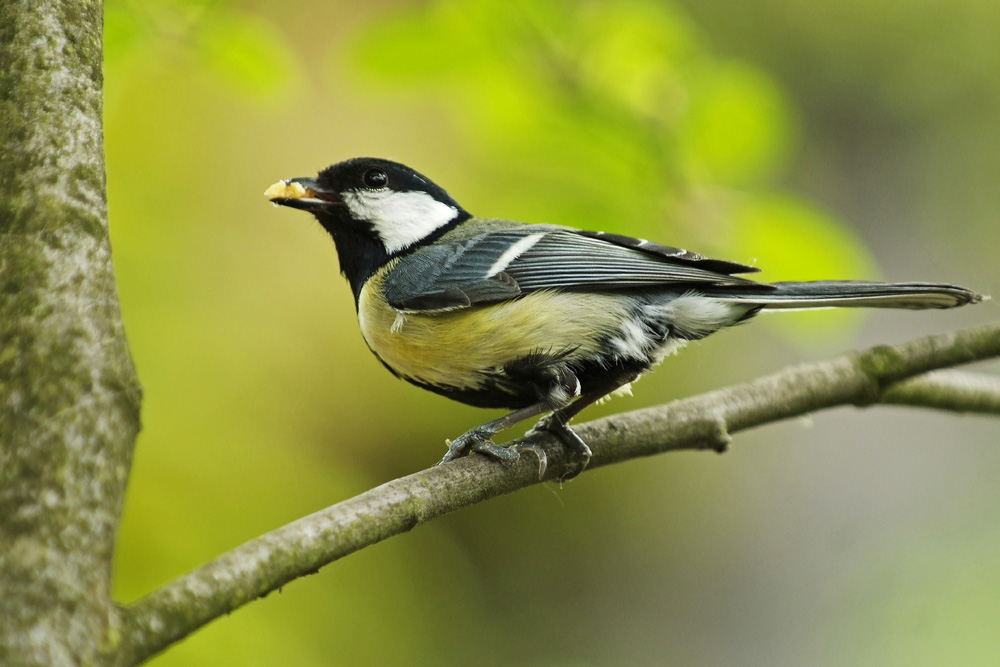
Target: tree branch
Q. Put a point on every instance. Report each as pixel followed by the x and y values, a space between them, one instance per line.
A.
pixel 954 391
pixel 878 375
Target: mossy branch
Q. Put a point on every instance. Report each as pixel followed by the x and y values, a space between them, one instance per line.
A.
pixel 886 374
pixel 948 390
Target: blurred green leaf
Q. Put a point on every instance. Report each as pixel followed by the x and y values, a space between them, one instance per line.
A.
pixel 637 53
pixel 250 54
pixel 739 127
pixel 399 48
pixel 124 31
pixel 242 50
pixel 794 241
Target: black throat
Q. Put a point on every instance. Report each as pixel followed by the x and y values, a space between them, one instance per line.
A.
pixel 361 254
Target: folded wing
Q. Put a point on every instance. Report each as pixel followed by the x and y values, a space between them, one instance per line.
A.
pixel 502 265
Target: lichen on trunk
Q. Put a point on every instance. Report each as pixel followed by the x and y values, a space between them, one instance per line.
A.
pixel 69 396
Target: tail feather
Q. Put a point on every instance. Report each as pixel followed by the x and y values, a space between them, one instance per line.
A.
pixel 856 294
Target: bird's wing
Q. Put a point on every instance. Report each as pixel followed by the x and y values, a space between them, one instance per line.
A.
pixel 504 264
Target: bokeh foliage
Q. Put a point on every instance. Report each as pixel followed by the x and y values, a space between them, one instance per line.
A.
pixel 262 402
pixel 664 128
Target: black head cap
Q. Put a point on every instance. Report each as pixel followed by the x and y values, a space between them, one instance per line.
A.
pixel 375 209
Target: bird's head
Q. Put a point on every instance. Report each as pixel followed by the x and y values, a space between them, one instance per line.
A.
pixel 394 204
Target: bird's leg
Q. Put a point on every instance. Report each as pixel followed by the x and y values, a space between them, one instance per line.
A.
pixel 479 439
pixel 557 423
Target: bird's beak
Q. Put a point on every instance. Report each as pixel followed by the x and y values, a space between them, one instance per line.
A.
pixel 301 193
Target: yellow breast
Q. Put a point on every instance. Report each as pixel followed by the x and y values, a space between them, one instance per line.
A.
pixel 456 348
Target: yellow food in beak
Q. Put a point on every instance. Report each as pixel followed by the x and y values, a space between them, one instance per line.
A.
pixel 289 190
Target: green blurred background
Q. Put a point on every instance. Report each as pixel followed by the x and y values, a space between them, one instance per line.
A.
pixel 820 140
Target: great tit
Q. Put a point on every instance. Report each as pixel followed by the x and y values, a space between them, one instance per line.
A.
pixel 534 318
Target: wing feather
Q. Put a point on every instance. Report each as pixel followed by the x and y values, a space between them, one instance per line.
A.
pixel 504 264
pixel 567 258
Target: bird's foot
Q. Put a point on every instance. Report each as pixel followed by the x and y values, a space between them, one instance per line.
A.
pixel 580 452
pixel 479 439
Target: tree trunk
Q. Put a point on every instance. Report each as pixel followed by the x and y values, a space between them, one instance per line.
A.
pixel 69 396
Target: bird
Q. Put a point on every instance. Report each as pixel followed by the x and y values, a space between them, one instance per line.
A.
pixel 537 319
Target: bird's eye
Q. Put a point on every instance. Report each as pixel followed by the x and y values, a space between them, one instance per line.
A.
pixel 375 179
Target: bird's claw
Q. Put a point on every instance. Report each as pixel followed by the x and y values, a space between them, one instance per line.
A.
pixel 579 450
pixel 478 440
pixel 475 440
pixel 543 459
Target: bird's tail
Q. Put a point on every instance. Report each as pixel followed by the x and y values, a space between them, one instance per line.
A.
pixel 857 294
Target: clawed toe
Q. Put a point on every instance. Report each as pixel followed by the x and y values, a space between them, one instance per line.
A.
pixel 478 440
pixel 578 464
pixel 580 452
pixel 475 440
pixel 543 458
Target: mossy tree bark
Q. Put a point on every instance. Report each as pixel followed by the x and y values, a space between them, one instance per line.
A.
pixel 69 396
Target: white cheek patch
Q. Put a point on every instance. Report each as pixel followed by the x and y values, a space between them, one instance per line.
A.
pixel 399 218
